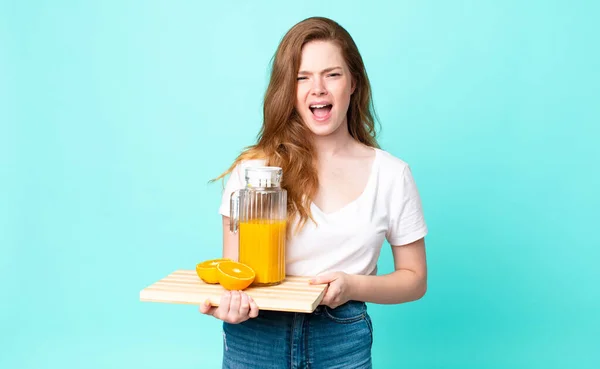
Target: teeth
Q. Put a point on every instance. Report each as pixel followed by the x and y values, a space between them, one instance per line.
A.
pixel 318 106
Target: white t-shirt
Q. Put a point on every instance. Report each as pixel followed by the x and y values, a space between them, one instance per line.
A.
pixel 350 239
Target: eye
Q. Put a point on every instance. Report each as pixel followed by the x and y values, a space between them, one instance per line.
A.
pixel 301 78
pixel 333 75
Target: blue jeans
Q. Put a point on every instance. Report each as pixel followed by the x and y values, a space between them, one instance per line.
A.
pixel 327 338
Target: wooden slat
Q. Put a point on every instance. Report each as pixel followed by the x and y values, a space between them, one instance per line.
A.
pixel 294 294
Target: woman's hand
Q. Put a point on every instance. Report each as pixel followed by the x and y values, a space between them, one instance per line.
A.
pixel 235 307
pixel 338 289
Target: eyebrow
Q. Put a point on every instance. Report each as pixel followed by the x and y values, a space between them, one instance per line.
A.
pixel 323 71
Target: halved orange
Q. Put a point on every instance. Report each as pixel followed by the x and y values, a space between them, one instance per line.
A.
pixel 235 276
pixel 207 270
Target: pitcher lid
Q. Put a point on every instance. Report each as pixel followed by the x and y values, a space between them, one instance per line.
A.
pixel 263 176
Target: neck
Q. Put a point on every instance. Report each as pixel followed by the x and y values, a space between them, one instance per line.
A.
pixel 336 143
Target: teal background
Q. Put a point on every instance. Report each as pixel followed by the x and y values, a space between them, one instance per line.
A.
pixel 115 115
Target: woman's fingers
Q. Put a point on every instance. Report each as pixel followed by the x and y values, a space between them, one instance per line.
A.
pixel 207 308
pixel 234 307
pixel 244 305
pixel 223 310
pixel 253 308
pixel 326 297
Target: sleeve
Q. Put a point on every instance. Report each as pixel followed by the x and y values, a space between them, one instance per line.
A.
pixel 233 183
pixel 407 222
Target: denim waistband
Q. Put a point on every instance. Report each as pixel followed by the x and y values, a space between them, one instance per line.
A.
pixel 349 310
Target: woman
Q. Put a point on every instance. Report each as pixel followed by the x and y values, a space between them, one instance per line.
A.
pixel 345 197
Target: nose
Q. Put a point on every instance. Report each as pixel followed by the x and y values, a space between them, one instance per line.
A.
pixel 318 87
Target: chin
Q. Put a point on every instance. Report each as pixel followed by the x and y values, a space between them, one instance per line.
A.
pixel 320 129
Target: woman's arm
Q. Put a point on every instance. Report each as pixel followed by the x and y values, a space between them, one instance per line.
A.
pixel 407 283
pixel 230 241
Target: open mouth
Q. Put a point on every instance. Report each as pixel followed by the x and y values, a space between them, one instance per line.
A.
pixel 321 111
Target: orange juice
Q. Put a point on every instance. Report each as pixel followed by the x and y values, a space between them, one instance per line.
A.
pixel 262 247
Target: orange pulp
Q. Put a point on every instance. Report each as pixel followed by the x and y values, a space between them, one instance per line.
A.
pixel 262 247
pixel 234 276
pixel 207 270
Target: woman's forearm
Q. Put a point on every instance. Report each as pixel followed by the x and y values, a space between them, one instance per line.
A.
pixel 397 287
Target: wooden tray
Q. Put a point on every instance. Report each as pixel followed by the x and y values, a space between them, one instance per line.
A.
pixel 294 294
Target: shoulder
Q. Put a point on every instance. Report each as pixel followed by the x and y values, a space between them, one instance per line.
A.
pixel 395 174
pixel 391 164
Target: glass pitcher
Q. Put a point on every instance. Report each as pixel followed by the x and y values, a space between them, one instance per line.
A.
pixel 259 215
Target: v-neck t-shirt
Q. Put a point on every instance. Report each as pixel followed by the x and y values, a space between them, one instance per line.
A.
pixel 350 239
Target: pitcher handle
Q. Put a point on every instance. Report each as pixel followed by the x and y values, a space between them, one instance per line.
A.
pixel 234 209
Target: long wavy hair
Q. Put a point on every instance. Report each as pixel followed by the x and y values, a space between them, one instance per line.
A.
pixel 284 140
